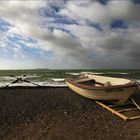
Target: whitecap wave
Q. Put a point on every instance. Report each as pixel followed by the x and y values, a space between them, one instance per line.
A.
pixel 58 79
pixel 137 80
pixel 43 83
pixel 123 73
pixel 93 72
pixel 6 78
pixel 33 76
pixel 72 73
pixel 53 84
pixel 3 84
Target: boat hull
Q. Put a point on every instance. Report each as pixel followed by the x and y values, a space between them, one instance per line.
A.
pixel 118 95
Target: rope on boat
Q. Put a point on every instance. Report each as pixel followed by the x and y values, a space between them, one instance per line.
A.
pixel 138 84
pixel 135 103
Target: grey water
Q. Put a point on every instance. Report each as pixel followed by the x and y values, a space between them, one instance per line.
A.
pixel 57 76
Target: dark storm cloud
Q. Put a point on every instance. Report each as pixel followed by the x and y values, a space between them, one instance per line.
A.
pixel 79 34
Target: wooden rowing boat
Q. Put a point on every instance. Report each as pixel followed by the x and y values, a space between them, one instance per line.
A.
pixel 117 90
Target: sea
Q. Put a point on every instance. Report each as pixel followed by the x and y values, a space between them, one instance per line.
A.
pixel 56 77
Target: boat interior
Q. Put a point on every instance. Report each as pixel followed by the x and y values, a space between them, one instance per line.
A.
pixel 89 82
pixel 95 80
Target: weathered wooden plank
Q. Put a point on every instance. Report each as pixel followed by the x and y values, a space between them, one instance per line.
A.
pixel 135 117
pixel 135 104
pixel 119 105
pixel 127 109
pixel 112 110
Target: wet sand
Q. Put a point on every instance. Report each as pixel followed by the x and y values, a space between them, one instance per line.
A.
pixel 59 114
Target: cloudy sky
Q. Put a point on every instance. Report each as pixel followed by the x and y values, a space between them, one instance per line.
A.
pixel 69 34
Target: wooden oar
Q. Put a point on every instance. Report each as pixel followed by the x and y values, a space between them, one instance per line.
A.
pixel 30 82
pixel 20 79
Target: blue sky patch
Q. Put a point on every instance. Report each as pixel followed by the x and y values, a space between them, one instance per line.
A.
pixel 36 52
pixel 49 12
pixel 94 25
pixel 6 51
pixel 55 8
pixel 58 19
pixel 4 26
pixel 119 24
pixel 64 20
pixel 28 51
pixel 104 2
pixel 17 38
pixel 136 1
pixel 62 29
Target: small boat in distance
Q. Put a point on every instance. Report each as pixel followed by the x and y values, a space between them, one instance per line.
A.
pixel 112 89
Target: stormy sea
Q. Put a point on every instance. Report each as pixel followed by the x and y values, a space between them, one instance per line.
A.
pixel 57 77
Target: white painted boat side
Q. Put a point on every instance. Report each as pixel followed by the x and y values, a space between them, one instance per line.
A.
pixel 122 96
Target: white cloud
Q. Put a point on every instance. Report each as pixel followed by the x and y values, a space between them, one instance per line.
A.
pixel 88 47
pixel 95 11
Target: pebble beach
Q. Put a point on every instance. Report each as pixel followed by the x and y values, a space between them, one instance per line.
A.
pixel 59 114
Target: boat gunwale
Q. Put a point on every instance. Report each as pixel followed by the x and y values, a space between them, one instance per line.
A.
pixel 129 85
